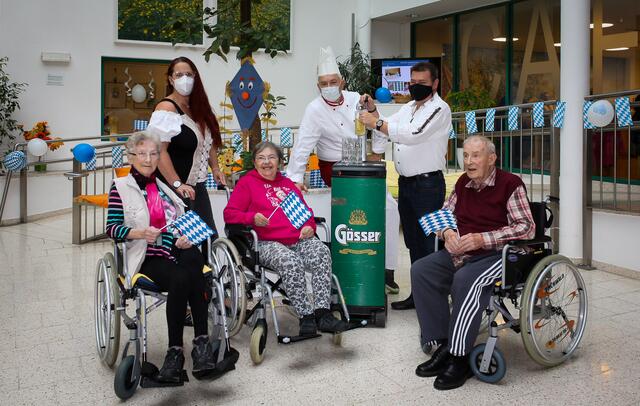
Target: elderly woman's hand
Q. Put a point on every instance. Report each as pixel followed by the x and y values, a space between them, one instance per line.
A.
pixel 260 220
pixel 183 243
pixel 151 234
pixel 306 232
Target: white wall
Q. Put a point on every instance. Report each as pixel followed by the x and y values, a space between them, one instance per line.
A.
pixel 389 39
pixel 86 29
pixel 615 239
pixel 383 7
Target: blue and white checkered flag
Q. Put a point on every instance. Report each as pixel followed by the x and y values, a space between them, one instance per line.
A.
pixel 315 180
pixel 538 114
pixel 263 135
pixel 585 115
pixel 91 165
pixel 512 118
pixel 438 220
pixel 452 134
pixel 623 112
pixel 236 140
pixel 558 114
pixel 140 125
pixel 470 118
pixel 193 227
pixel 295 210
pixel 210 183
pixel 116 156
pixel 286 140
pixel 489 121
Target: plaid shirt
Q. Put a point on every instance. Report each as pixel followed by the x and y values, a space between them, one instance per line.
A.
pixel 521 225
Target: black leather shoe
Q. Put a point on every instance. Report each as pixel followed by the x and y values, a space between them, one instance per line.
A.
pixel 436 364
pixel 308 326
pixel 405 304
pixel 171 371
pixel 455 375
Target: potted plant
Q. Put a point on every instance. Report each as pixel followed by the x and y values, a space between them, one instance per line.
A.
pixel 9 94
pixel 472 98
pixel 356 72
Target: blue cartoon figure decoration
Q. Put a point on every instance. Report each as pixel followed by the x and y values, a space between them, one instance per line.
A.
pixel 246 90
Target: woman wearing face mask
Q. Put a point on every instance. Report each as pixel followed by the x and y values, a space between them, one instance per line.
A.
pixel 190 137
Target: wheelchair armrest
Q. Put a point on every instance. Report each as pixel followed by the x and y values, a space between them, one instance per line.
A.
pixel 320 220
pixel 525 243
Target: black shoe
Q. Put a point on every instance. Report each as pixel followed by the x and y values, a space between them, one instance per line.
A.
pixel 389 283
pixel 308 325
pixel 456 373
pixel 171 370
pixel 202 355
pixel 328 323
pixel 405 304
pixel 436 364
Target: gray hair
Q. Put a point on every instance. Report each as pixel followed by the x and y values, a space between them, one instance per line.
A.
pixel 264 145
pixel 488 144
pixel 139 137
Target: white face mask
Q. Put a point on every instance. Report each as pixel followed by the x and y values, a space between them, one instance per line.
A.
pixel 330 93
pixel 183 85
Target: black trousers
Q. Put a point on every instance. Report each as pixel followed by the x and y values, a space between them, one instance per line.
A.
pixel 202 206
pixel 417 196
pixel 184 283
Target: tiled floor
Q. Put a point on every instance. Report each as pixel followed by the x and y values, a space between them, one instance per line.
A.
pixel 48 357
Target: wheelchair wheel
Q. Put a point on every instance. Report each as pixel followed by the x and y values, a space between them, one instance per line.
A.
pixel 553 311
pixel 124 383
pixel 107 318
pixel 258 342
pixel 229 267
pixel 338 337
pixel 497 365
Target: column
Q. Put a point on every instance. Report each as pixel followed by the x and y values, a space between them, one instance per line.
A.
pixel 363 25
pixel 574 85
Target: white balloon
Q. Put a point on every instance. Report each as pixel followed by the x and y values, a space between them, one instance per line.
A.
pixel 600 113
pixel 37 147
pixel 138 93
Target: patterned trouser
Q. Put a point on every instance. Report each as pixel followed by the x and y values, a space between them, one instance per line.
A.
pixel 291 262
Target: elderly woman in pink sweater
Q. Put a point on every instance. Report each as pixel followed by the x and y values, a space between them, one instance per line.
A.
pixel 282 247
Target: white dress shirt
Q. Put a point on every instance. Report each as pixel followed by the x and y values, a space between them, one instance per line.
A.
pixel 419 148
pixel 323 127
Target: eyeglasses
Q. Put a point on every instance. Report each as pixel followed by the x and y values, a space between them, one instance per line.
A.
pixel 145 155
pixel 263 158
pixel 178 75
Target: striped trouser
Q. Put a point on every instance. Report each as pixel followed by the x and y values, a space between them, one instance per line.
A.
pixel 433 279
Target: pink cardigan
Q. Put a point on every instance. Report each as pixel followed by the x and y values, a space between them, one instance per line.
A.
pixel 255 194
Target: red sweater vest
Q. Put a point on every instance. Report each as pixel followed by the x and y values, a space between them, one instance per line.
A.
pixel 485 210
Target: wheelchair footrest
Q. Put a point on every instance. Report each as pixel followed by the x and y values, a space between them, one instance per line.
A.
pixel 227 364
pixel 150 381
pixel 353 324
pixel 295 339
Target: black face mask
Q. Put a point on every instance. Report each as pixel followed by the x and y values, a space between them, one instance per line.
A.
pixel 420 92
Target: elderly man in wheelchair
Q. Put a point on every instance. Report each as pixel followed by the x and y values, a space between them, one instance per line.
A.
pixel 483 262
pixel 152 260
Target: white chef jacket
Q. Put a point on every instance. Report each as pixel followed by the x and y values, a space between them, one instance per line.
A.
pixel 419 148
pixel 323 127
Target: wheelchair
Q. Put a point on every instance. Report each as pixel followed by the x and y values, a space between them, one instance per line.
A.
pixel 548 292
pixel 261 284
pixel 116 292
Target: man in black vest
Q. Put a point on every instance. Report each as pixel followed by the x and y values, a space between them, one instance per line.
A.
pixel 491 208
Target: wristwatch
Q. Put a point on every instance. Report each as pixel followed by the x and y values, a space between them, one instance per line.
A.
pixel 379 124
pixel 177 184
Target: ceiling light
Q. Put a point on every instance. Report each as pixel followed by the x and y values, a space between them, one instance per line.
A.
pixel 503 39
pixel 556 44
pixel 604 25
pixel 617 49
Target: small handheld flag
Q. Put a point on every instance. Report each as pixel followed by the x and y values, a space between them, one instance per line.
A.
pixel 295 210
pixel 193 227
pixel 437 221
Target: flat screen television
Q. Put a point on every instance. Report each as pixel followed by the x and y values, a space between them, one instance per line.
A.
pixel 395 73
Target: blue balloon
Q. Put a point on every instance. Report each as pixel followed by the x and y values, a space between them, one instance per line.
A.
pixel 15 161
pixel 383 95
pixel 84 152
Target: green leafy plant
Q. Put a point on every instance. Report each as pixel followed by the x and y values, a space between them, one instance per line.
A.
pixel 9 95
pixel 472 98
pixel 356 72
pixel 270 104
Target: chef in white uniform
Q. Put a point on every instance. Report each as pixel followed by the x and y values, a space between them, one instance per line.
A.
pixel 327 120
